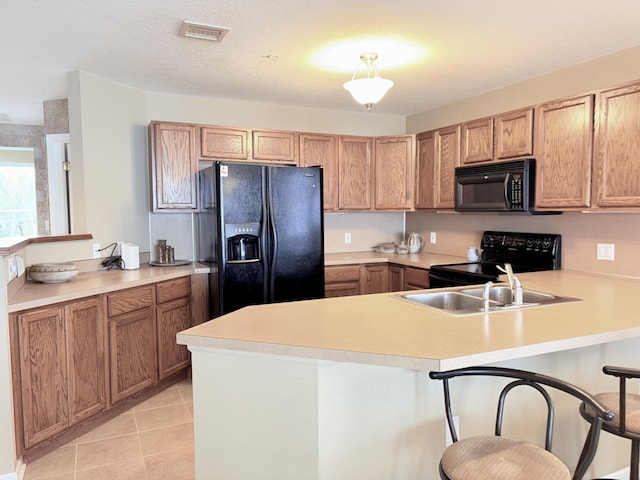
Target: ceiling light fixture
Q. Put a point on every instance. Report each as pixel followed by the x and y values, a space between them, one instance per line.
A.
pixel 370 89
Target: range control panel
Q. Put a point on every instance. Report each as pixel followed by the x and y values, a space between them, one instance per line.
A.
pixel 534 242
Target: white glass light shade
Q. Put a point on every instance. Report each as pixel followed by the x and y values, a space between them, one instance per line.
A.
pixel 368 91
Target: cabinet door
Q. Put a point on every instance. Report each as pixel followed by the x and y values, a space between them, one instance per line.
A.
pixel 224 143
pixel 617 154
pixel 394 159
pixel 564 140
pixel 376 279
pixel 174 167
pixel 396 278
pixel 514 134
pixel 355 173
pixel 172 317
pixel 447 159
pixel 477 141
pixel 416 278
pixel 133 353
pixel 200 298
pixel 85 327
pixel 425 170
pixel 322 150
pixel 43 373
pixel 273 146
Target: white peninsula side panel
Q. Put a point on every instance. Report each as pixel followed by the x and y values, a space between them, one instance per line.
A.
pixel 272 417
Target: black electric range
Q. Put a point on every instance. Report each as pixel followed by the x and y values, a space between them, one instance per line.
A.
pixel 526 252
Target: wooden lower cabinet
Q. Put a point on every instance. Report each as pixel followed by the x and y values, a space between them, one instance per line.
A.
pixel 173 314
pixel 341 280
pixel 416 278
pixel 396 278
pixel 344 280
pixel 375 279
pixel 60 365
pixel 86 358
pixel 73 361
pixel 132 345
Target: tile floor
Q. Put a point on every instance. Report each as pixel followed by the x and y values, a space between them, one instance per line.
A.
pixel 152 441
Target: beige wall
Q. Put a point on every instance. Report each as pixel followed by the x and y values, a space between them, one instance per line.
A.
pixel 580 234
pixel 603 72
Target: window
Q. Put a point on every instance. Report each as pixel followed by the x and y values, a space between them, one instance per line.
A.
pixel 18 212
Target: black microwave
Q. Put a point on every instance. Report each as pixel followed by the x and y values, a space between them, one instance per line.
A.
pixel 496 187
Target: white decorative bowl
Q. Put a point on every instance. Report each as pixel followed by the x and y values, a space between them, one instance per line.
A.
pixel 53 272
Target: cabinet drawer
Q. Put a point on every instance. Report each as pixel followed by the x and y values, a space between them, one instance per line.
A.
pixel 129 300
pixel 172 289
pixel 417 277
pixel 342 274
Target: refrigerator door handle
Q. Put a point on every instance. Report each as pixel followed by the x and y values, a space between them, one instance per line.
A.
pixel 253 260
pixel 273 243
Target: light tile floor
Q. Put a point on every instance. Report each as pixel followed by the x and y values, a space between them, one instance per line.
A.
pixel 152 441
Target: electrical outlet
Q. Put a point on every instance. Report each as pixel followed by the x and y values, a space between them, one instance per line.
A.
pixel 347 238
pixel 605 251
pixel 432 237
pixel 96 250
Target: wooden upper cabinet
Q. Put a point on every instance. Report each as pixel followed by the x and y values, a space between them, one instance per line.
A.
pixel 438 156
pixel 224 143
pixel 355 162
pixel 425 170
pixel 275 146
pixel 513 134
pixel 477 141
pixel 617 152
pixel 322 150
pixel 564 148
pixel 394 161
pixel 174 167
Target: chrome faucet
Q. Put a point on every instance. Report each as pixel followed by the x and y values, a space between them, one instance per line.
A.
pixel 514 284
pixel 486 294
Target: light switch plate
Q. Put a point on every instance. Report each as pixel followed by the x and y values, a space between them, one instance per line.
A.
pixel 605 251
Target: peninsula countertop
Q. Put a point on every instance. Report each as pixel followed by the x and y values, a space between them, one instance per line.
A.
pixel 380 329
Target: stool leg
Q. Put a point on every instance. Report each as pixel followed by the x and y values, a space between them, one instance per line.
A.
pixel 635 459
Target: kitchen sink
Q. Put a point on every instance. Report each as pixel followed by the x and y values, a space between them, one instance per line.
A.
pixel 452 301
pixel 503 295
pixel 469 301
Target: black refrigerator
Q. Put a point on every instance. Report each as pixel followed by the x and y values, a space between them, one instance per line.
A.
pixel 261 230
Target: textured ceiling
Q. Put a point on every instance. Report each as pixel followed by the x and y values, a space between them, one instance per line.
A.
pixel 475 46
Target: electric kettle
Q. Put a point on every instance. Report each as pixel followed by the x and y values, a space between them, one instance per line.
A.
pixel 415 242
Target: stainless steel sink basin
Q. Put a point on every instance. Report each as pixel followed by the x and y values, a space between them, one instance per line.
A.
pixel 503 295
pixel 452 301
pixel 469 300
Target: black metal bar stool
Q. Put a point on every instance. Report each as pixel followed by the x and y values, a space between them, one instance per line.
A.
pixel 626 407
pixel 497 457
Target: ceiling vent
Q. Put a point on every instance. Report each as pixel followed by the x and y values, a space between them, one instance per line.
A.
pixel 203 31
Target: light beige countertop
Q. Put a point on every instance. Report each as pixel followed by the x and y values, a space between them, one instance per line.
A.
pixel 382 330
pixel 420 260
pixel 34 294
